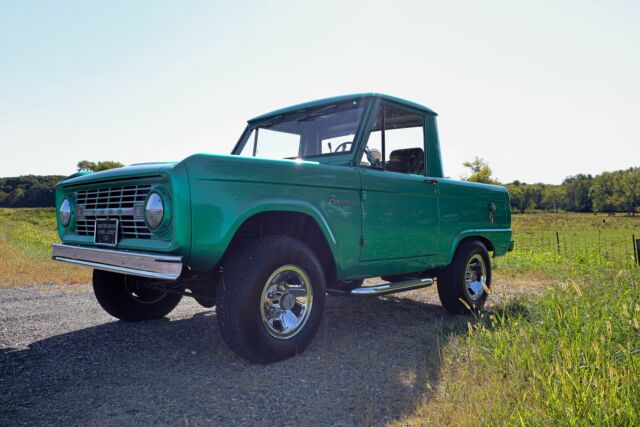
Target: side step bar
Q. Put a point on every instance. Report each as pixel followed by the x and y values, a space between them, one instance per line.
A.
pixel 393 287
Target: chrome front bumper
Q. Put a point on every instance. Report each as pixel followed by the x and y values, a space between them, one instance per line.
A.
pixel 154 266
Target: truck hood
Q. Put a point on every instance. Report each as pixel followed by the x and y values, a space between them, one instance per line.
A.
pixel 137 170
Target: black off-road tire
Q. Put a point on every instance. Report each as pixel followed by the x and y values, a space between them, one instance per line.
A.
pixel 238 299
pixel 116 294
pixel 452 287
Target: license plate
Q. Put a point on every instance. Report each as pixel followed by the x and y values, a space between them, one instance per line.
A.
pixel 106 232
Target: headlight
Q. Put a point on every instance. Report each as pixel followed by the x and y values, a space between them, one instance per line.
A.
pixel 65 212
pixel 154 210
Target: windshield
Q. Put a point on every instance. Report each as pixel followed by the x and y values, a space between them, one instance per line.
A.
pixel 322 131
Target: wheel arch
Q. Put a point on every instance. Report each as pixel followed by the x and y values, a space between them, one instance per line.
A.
pixel 483 237
pixel 298 221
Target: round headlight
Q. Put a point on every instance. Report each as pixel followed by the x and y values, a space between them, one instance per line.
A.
pixel 154 210
pixel 65 212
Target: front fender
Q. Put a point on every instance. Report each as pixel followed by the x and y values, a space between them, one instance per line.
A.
pixel 214 237
pixel 228 190
pixel 284 205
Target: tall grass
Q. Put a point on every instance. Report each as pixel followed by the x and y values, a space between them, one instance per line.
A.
pixel 570 356
pixel 25 250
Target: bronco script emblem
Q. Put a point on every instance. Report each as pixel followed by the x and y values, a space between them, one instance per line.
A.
pixel 334 201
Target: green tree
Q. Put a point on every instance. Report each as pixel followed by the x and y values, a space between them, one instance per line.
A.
pixel 617 191
pixel 605 193
pixel 39 194
pixel 522 196
pixel 88 166
pixel 578 193
pixel 28 191
pixel 16 197
pixel 537 194
pixel 630 189
pixel 480 171
pixel 554 198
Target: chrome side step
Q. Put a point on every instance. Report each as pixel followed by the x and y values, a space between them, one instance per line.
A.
pixel 393 287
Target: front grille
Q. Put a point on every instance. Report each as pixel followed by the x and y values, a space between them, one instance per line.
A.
pixel 124 203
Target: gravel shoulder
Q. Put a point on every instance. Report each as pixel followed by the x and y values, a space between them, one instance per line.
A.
pixel 64 361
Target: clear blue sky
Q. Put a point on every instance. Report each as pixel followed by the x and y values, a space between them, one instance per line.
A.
pixel 540 89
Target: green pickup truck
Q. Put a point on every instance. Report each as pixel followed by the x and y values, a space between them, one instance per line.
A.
pixel 313 199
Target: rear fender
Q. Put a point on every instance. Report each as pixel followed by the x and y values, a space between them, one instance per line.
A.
pixel 498 240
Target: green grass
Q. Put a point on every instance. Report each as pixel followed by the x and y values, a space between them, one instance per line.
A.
pixel 576 222
pixel 30 230
pixel 25 250
pixel 570 356
pixel 578 235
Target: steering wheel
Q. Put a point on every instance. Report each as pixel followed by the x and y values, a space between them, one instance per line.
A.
pixel 343 147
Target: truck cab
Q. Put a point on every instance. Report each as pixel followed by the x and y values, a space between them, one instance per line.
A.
pixel 313 198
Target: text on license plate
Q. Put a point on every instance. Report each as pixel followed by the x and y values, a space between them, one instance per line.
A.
pixel 106 232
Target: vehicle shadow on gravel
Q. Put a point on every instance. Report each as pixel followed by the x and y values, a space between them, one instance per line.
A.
pixel 372 360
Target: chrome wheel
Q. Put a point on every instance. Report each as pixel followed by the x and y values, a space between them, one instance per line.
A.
pixel 286 301
pixel 475 277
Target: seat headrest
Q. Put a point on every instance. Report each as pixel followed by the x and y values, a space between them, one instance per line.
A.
pixel 408 160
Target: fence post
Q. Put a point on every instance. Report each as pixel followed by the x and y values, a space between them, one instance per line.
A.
pixel 599 245
pixel 636 249
pixel 558 242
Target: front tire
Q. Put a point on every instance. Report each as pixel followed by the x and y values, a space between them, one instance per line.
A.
pixel 463 286
pixel 126 297
pixel 271 299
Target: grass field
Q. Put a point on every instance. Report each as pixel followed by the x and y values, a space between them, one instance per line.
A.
pixel 570 356
pixel 25 250
pixel 579 235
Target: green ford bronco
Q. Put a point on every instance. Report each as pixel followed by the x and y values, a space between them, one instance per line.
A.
pixel 314 199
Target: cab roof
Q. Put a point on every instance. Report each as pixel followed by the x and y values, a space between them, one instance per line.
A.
pixel 319 102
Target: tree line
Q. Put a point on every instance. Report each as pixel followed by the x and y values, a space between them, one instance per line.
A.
pixel 28 191
pixel 38 191
pixel 609 192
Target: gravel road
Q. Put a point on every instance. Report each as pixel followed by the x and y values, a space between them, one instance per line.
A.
pixel 64 361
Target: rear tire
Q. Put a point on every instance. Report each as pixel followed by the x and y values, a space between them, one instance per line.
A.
pixel 271 299
pixel 462 286
pixel 125 298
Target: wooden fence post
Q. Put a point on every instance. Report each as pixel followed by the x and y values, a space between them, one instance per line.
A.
pixel 558 242
pixel 636 249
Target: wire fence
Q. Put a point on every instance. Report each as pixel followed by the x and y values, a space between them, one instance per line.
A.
pixel 621 249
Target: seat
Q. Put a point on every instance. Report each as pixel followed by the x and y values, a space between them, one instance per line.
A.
pixel 408 160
